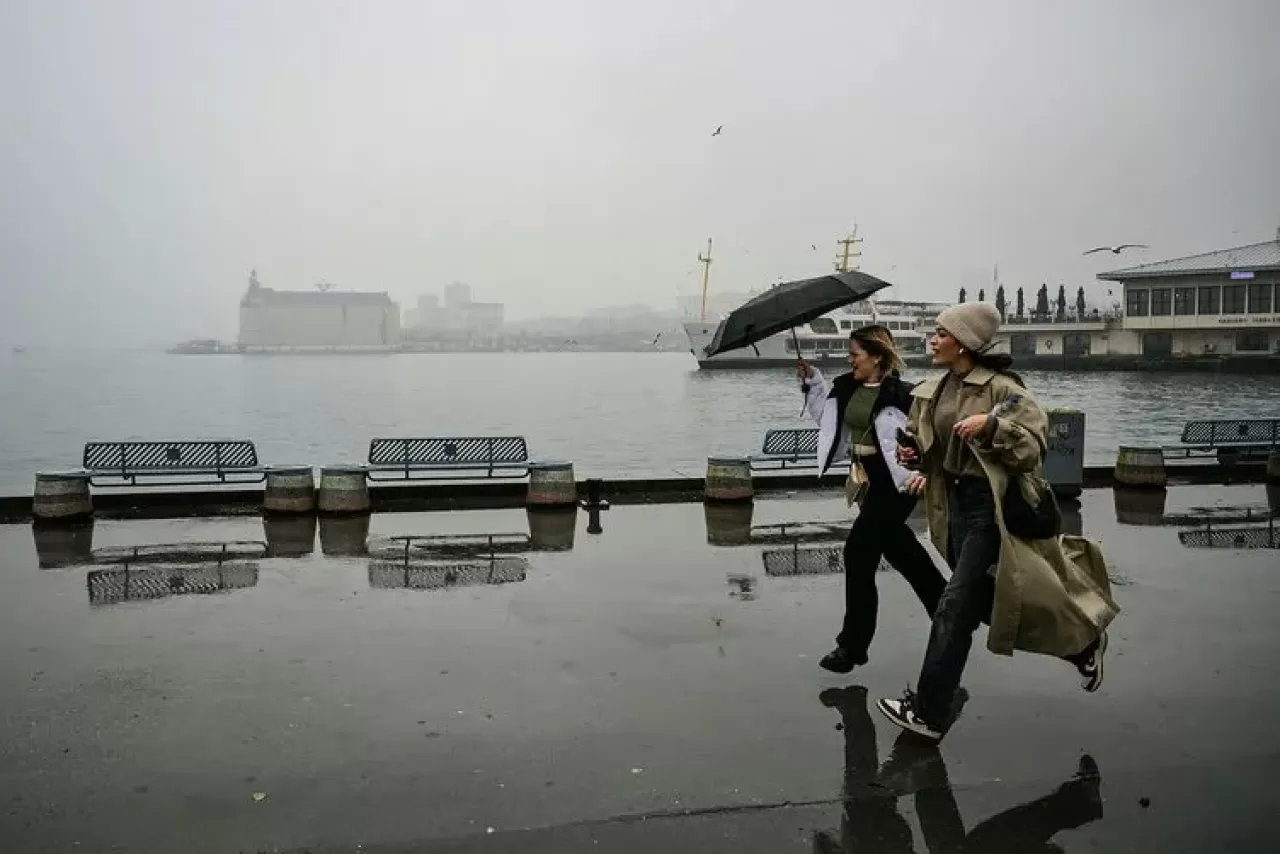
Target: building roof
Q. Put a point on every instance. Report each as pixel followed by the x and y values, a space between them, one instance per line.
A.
pixel 270 295
pixel 1255 256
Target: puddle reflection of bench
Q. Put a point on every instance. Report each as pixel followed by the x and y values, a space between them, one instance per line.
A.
pixel 808 560
pixel 126 584
pixel 430 575
pixel 1244 537
pixel 441 561
pixel 206 552
pixel 448 545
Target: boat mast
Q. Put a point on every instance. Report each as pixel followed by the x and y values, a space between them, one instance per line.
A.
pixel 849 251
pixel 847 260
pixel 705 261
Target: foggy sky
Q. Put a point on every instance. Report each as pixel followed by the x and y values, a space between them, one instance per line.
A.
pixel 556 155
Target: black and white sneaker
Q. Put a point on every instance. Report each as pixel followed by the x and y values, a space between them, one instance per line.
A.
pixel 1091 668
pixel 902 712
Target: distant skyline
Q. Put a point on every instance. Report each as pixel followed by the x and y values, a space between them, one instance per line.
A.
pixel 559 156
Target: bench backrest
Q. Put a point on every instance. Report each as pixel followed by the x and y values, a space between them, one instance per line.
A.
pixel 791 443
pixel 1250 431
pixel 176 457
pixel 474 451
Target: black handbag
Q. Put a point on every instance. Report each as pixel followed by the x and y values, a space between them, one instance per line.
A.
pixel 1041 520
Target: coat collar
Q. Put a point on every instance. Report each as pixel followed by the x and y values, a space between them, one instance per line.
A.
pixel 979 376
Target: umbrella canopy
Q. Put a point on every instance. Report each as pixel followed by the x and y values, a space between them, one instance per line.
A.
pixel 789 305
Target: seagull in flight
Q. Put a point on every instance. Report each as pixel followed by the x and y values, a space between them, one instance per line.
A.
pixel 1116 250
pixel 716 132
pixel 813 246
pixel 654 342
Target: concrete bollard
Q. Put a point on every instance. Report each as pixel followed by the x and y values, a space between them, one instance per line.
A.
pixel 551 485
pixel 552 530
pixel 1141 467
pixel 63 545
pixel 728 524
pixel 728 479
pixel 345 536
pixel 1064 458
pixel 1142 506
pixel 290 536
pixel 61 497
pixel 290 489
pixel 344 489
pixel 1273 467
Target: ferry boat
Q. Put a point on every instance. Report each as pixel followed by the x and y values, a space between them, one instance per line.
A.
pixel 826 338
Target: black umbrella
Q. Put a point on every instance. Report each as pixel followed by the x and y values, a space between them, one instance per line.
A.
pixel 789 305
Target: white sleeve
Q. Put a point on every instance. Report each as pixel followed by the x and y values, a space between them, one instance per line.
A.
pixel 888 422
pixel 816 399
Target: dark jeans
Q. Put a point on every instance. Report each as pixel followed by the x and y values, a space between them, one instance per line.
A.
pixel 973 547
pixel 881 531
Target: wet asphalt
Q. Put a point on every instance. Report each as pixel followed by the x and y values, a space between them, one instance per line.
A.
pixel 494 681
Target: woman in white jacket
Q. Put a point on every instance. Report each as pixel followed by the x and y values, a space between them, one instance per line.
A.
pixel 858 415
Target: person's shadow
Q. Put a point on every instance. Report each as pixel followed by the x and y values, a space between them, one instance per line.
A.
pixel 871 821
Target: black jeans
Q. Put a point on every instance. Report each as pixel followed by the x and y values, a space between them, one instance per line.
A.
pixel 973 547
pixel 881 531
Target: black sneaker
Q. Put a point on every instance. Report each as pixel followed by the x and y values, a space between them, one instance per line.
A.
pixel 840 660
pixel 1091 668
pixel 903 713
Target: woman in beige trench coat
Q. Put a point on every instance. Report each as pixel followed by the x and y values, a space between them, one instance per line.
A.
pixel 977 428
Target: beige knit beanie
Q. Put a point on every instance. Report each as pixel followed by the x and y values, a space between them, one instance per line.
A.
pixel 973 324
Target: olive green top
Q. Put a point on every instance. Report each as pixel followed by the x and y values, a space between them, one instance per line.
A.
pixel 858 416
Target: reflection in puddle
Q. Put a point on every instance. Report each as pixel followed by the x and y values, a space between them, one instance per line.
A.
pixel 1140 506
pixel 803 561
pixel 871 820
pixel 62 546
pixel 448 545
pixel 431 562
pixel 424 575
pixel 728 524
pixel 1265 536
pixel 344 536
pixel 742 587
pixel 208 552
pixel 552 530
pixel 113 586
pixel 290 536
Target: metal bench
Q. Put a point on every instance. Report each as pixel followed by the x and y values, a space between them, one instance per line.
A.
pixel 448 458
pixel 785 449
pixel 1230 440
pixel 173 463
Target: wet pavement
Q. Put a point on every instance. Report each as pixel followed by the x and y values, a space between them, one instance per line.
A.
pixel 495 681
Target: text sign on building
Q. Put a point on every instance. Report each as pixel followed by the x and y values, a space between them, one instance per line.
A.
pixel 1241 274
pixel 1250 320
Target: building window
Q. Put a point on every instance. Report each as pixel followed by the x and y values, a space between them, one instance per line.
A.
pixel 1210 300
pixel 1161 301
pixel 1233 299
pixel 1184 301
pixel 846 324
pixel 1260 299
pixel 1135 302
pixel 1251 342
